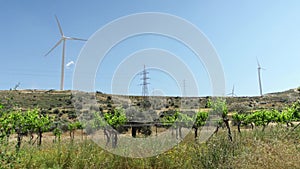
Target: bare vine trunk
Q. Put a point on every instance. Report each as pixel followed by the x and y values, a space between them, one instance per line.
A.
pixel 226 121
pixel 180 132
pixel 40 137
pixel 19 140
pixel 196 132
pixel 114 139
pixel 107 134
pixel 239 126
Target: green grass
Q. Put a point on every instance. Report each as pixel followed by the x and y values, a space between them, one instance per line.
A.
pixel 276 147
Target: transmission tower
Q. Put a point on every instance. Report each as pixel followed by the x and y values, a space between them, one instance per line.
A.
pixel 144 82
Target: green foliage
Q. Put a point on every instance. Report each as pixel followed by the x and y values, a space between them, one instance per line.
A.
pixel 208 103
pixel 40 122
pixel 168 119
pixel 57 132
pixel 237 118
pixel 219 107
pixel 290 114
pixel 116 118
pixel 178 118
pixel 262 117
pixel 295 110
pixel 98 121
pixel 5 125
pixel 184 120
pixel 20 123
pixel 201 118
pixel 286 116
pixel 7 157
pixel 23 123
pixel 74 126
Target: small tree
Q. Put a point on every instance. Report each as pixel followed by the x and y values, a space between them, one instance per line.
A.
pixel 19 126
pixel 72 127
pixel 183 121
pixel 57 133
pixel 200 119
pixel 263 117
pixel 7 155
pixel 178 120
pixel 115 119
pixel 5 125
pixel 239 119
pixel 219 106
pixel 41 123
pixel 98 123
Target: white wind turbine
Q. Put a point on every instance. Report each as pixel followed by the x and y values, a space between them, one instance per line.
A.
pixel 232 92
pixel 63 40
pixel 259 68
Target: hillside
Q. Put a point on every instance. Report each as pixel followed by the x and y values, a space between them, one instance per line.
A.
pixel 53 101
pixel 273 147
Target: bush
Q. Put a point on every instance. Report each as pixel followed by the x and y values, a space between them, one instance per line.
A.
pixel 56 111
pixel 72 115
pixel 78 106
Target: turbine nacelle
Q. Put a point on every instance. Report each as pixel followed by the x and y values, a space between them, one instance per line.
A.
pixel 258 65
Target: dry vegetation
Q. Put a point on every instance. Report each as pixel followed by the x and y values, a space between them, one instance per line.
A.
pixel 273 148
pixel 276 147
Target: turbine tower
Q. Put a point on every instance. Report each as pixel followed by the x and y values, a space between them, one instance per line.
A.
pixel 259 68
pixel 63 40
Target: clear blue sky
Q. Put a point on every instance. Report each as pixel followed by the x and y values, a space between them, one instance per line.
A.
pixel 239 30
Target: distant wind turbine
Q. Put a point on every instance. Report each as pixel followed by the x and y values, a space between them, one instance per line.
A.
pixel 232 92
pixel 63 40
pixel 259 68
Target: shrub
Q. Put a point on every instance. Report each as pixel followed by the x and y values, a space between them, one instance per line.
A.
pixel 55 111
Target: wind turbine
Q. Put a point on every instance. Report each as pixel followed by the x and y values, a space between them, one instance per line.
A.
pixel 62 40
pixel 259 68
pixel 232 92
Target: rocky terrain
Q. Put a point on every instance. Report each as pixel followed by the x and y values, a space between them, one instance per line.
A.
pixel 55 102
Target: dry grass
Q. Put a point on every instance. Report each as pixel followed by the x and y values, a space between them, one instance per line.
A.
pixel 273 148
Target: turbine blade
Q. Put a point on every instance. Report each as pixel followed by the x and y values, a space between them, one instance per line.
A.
pixel 257 62
pixel 60 29
pixel 54 47
pixel 71 38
